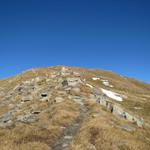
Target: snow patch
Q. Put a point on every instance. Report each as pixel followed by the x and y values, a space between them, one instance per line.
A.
pixel 112 95
pixel 95 78
pixel 106 83
pixel 89 85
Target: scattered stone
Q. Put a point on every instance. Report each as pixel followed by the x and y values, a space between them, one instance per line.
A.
pixel 90 146
pixel 118 111
pixel 76 99
pixel 74 82
pixel 63 127
pixel 97 92
pixel 59 99
pixel 138 108
pixel 65 83
pixel 76 74
pixel 28 118
pixel 36 112
pixel 11 106
pixel 65 145
pixel 6 124
pixel 102 100
pixel 64 71
pixel 68 137
pixel 127 128
pixel 139 122
pixel 75 91
pixel 5 117
pixel 61 92
pixel 27 98
pixel 95 115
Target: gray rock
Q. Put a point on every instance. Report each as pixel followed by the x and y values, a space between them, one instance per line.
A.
pixel 127 128
pixel 28 118
pixel 129 117
pixel 5 117
pixel 139 122
pixel 102 100
pixel 97 92
pixel 118 111
pixel 65 83
pixel 110 107
pixel 6 124
pixel 74 82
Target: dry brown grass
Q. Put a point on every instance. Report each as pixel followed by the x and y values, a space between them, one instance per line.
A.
pixel 3 109
pixel 99 129
pixel 40 135
pixel 103 133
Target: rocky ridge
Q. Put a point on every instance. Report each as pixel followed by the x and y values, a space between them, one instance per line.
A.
pixel 24 99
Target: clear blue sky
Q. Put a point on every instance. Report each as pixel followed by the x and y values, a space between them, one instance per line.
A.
pixel 107 34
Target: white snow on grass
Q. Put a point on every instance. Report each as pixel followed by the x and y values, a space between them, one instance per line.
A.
pixel 106 83
pixel 112 95
pixel 95 78
pixel 89 85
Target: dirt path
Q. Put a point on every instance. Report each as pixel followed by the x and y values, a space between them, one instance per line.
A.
pixel 69 133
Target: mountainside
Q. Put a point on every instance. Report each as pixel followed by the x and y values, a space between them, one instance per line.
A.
pixel 68 108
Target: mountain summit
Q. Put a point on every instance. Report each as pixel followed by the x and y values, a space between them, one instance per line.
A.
pixel 68 108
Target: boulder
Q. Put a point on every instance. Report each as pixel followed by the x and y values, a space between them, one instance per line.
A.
pixel 118 111
pixel 74 82
pixel 65 83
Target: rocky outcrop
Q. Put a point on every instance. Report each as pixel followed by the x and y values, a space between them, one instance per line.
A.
pixel 73 82
pixel 115 109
